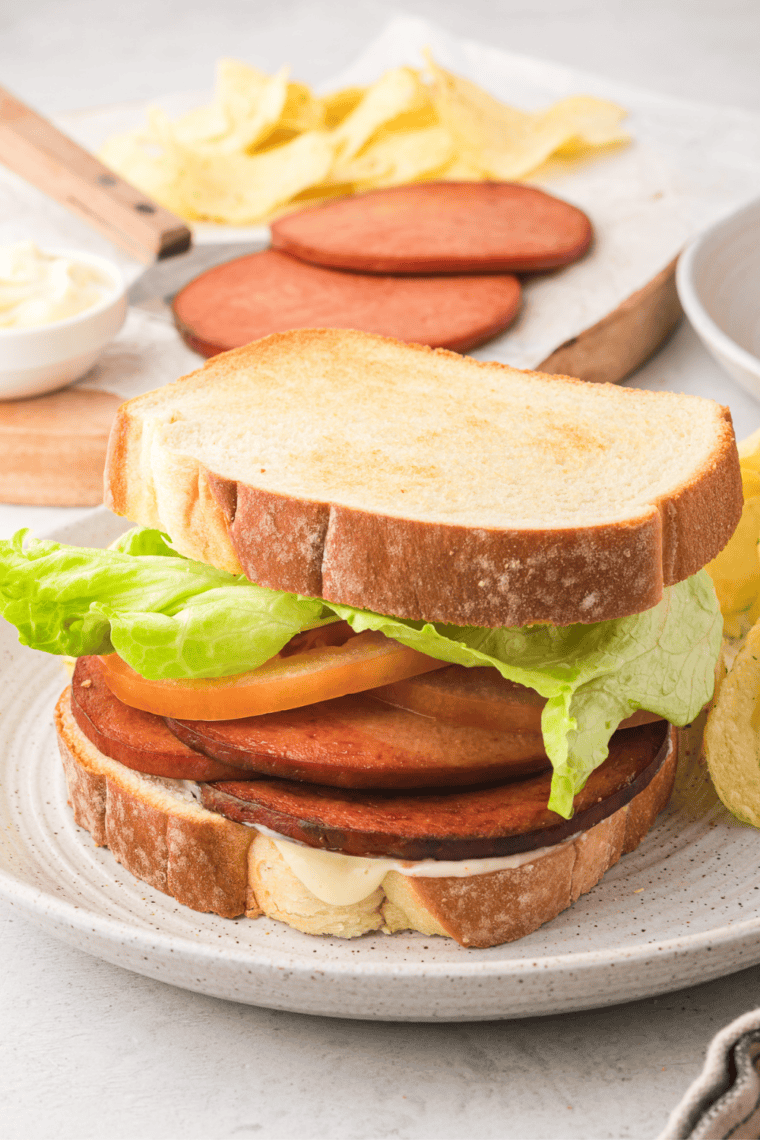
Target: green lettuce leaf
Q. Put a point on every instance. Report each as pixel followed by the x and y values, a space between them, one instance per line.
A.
pixel 170 617
pixel 142 540
pixel 165 615
pixel 594 676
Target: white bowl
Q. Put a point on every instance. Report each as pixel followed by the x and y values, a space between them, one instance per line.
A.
pixel 45 357
pixel 718 279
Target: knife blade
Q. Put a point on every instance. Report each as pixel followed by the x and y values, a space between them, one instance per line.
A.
pixel 154 290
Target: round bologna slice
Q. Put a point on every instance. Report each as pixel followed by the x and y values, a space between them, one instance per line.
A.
pixel 463 824
pixel 139 740
pixel 270 292
pixel 359 742
pixel 439 227
pixel 479 697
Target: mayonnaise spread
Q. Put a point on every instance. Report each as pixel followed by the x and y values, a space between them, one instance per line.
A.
pixel 38 288
pixel 342 880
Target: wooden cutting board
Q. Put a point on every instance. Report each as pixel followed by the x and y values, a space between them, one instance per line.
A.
pixel 53 447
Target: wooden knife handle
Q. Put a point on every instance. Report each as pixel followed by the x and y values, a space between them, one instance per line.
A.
pixel 32 147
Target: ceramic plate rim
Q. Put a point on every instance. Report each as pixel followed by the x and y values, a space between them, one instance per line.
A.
pixel 14 890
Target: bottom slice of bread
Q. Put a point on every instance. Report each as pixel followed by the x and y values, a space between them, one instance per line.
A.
pixel 163 836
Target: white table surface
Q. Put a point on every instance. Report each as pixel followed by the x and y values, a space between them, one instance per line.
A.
pixel 90 1051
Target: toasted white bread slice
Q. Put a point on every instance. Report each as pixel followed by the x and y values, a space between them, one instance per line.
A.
pixel 210 863
pixel 153 826
pixel 426 484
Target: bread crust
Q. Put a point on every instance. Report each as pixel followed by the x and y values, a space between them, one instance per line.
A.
pixel 506 905
pixel 196 856
pixel 410 567
pixel 209 863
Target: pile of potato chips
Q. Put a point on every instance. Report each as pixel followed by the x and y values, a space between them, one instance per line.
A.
pixel 732 734
pixel 266 144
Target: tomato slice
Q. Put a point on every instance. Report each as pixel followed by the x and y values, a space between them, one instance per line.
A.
pixel 295 677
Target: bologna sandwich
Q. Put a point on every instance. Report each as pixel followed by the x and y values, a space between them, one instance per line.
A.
pixel 398 640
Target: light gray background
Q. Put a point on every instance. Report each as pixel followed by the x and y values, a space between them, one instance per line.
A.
pixel 87 1050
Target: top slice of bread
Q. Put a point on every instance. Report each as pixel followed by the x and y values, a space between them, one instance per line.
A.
pixel 428 485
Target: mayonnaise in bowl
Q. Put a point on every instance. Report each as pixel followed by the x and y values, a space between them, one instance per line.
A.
pixel 58 311
pixel 38 288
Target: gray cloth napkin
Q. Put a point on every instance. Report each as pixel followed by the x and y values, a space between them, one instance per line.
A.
pixel 724 1101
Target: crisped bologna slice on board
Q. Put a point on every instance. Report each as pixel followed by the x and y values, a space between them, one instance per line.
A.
pixel 270 292
pixel 458 824
pixel 439 227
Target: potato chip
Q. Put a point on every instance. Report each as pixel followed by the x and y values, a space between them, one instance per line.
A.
pixel 419 118
pixel 302 111
pixel 732 735
pixel 204 125
pixel 749 452
pixel 393 158
pixel 736 570
pixel 236 83
pixel 143 158
pixel 505 143
pixel 313 196
pixel 251 103
pixel 209 164
pixel 238 188
pixel 398 92
pixel 249 110
pixel 475 119
pixel 585 122
pixel 242 189
pixel 338 104
pixel 460 170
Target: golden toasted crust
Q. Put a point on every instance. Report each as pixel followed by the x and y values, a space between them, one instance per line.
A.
pixel 506 905
pixel 210 863
pixel 419 483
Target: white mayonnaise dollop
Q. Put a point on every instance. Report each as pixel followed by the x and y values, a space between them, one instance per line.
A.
pixel 342 880
pixel 38 288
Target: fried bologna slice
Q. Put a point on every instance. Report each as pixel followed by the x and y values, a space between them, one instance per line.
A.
pixel 428 485
pixel 507 818
pixel 139 740
pixel 210 863
pixel 358 742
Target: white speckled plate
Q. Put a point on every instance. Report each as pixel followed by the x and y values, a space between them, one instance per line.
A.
pixel 681 909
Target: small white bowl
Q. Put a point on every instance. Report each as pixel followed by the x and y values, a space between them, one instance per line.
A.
pixel 718 280
pixel 45 357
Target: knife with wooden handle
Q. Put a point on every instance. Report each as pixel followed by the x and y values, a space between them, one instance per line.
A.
pixel 32 147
